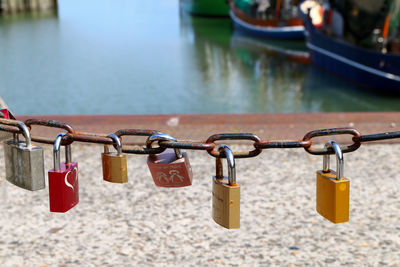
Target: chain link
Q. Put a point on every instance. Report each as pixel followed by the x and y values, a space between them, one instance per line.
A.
pixel 139 149
pixel 209 145
pixel 377 137
pixel 333 131
pixel 234 136
pixel 283 144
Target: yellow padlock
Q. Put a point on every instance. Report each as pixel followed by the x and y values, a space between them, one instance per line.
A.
pixel 226 193
pixel 333 190
pixel 114 164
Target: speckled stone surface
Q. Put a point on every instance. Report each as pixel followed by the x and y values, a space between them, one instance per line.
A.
pixel 138 224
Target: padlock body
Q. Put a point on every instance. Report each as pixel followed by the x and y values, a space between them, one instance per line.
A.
pixel 168 171
pixel 226 203
pixel 114 168
pixel 24 166
pixel 5 136
pixel 64 187
pixel 333 197
pixel 6 114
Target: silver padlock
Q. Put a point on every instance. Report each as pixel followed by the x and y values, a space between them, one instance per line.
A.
pixel 24 162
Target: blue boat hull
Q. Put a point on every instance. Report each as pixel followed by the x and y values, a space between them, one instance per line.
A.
pixel 364 66
pixel 290 32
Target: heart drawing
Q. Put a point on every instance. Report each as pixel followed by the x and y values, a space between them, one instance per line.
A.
pixel 75 175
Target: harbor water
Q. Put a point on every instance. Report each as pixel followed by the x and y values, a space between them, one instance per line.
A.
pixel 149 57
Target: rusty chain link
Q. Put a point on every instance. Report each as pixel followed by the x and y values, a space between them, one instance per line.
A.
pixel 376 137
pixel 283 144
pixel 187 145
pixel 209 145
pixel 234 136
pixel 333 131
pixel 139 150
pixel 49 123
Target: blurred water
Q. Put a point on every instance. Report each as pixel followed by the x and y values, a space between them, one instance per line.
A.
pixel 147 57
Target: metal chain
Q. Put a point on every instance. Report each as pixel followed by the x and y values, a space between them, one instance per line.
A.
pixel 209 145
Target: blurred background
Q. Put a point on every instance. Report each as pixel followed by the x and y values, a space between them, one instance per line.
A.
pixel 153 57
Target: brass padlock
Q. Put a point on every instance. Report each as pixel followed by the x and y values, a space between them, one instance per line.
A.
pixel 226 193
pixel 333 190
pixel 24 162
pixel 114 164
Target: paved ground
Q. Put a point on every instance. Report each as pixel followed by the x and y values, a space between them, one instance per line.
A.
pixel 138 224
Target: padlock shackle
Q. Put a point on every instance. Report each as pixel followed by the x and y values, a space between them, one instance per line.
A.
pixel 163 137
pixel 56 152
pixel 117 142
pixel 24 129
pixel 25 133
pixel 339 159
pixel 230 158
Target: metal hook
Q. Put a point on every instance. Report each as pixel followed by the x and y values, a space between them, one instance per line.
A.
pixel 339 159
pixel 231 164
pixel 116 140
pixel 163 137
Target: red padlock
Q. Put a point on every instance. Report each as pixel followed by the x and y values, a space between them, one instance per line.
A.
pixel 170 168
pixel 63 180
pixel 6 114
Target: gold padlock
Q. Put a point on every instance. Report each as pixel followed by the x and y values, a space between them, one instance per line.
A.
pixel 114 164
pixel 226 193
pixel 333 190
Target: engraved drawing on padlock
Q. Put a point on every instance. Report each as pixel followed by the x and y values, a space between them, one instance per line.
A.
pixel 24 162
pixel 173 164
pixel 74 174
pixel 63 179
pixel 175 174
pixel 226 192
pixel 114 164
pixel 162 176
pixel 333 190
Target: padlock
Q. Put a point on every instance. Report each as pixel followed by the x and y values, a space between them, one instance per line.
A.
pixel 24 162
pixel 63 180
pixel 170 168
pixel 6 114
pixel 226 193
pixel 333 190
pixel 114 164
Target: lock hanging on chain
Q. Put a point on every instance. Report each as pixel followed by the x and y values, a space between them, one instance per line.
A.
pixel 63 180
pixel 6 114
pixel 170 168
pixel 114 164
pixel 333 190
pixel 24 162
pixel 226 192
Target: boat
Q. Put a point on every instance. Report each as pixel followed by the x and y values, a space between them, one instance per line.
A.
pixel 370 58
pixel 206 7
pixel 260 18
